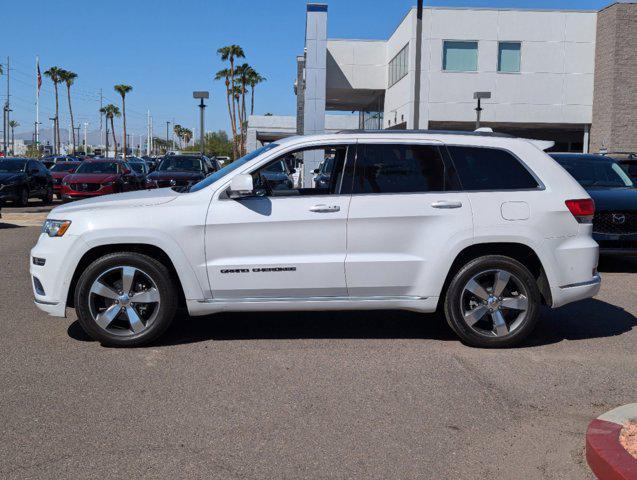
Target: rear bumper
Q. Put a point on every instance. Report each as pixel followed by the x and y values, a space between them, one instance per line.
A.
pixel 576 292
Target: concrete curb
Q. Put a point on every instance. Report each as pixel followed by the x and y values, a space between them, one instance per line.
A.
pixel 606 457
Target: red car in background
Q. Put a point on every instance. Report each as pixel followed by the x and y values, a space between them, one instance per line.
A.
pixel 100 177
pixel 59 171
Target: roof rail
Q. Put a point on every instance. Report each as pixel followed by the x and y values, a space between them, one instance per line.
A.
pixel 431 132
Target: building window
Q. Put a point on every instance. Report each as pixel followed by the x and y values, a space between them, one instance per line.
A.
pixel 399 65
pixel 509 57
pixel 460 56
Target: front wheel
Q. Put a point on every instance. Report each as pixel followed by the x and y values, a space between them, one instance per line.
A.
pixel 493 301
pixel 23 197
pixel 125 299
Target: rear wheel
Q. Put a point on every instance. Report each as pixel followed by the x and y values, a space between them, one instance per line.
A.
pixel 493 301
pixel 23 197
pixel 48 197
pixel 125 299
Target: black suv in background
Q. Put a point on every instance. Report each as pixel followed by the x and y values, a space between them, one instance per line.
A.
pixel 181 171
pixel 23 178
pixel 615 196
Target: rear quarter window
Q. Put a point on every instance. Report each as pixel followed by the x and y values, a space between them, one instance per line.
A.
pixel 490 169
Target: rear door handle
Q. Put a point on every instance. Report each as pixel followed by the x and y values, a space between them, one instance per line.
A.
pixel 325 208
pixel 446 204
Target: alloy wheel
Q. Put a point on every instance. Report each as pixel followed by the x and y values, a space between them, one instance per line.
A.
pixel 494 303
pixel 124 301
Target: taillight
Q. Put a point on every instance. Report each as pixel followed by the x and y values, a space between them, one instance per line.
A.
pixel 583 210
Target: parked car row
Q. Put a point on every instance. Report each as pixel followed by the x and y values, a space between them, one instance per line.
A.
pixel 71 178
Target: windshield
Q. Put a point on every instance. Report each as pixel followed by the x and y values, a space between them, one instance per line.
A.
pixel 137 167
pixel 231 166
pixel 12 166
pixel 175 163
pixel 596 173
pixel 64 167
pixel 97 167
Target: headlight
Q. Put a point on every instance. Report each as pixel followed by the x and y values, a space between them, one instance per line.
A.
pixel 107 184
pixel 66 184
pixel 56 228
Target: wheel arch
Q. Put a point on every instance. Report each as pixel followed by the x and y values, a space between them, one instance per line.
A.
pixel 518 251
pixel 148 249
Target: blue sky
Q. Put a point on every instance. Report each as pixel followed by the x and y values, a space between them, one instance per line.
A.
pixel 165 50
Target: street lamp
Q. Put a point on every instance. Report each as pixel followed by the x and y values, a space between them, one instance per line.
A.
pixel 479 96
pixel 202 107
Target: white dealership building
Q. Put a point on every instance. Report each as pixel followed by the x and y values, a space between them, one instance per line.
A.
pixel 539 67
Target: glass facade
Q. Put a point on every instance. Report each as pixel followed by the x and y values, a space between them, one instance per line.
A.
pixel 460 56
pixel 399 65
pixel 509 57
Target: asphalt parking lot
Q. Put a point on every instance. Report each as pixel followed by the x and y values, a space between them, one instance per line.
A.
pixel 299 395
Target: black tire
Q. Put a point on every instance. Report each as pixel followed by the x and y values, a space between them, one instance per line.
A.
pixel 454 298
pixel 23 197
pixel 158 273
pixel 48 197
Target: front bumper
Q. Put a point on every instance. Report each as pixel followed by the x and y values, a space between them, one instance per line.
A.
pixel 68 194
pixel 61 255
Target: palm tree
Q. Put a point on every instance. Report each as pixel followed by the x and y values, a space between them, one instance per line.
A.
pixel 123 90
pixel 178 130
pixel 230 53
pixel 225 75
pixel 111 111
pixel 12 125
pixel 54 74
pixel 69 77
pixel 254 79
pixel 186 134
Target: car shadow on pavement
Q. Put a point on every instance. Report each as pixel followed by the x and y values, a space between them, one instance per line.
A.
pixel 4 226
pixel 584 320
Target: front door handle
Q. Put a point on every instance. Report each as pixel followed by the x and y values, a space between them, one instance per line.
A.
pixel 446 204
pixel 325 208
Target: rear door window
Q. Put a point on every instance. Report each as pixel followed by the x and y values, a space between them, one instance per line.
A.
pixel 490 169
pixel 389 168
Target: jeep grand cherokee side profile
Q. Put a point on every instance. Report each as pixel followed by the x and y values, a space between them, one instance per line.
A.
pixel 484 227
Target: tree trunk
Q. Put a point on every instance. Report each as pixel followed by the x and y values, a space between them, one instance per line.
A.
pixel 68 92
pixel 244 125
pixel 12 140
pixel 114 139
pixel 57 120
pixel 124 118
pixel 252 102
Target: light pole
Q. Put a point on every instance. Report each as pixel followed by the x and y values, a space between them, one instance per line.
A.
pixel 479 96
pixel 167 140
pixel 202 108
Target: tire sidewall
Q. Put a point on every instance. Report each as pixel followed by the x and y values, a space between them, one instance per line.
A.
pixel 454 314
pixel 158 273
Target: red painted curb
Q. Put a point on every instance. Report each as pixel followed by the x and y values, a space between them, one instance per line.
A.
pixel 605 455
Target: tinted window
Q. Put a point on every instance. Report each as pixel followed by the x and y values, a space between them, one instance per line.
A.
pixel 64 167
pixel 399 168
pixel 12 166
pixel 490 169
pixel 174 163
pixel 594 173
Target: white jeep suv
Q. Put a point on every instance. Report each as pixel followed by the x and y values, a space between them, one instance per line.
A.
pixel 484 227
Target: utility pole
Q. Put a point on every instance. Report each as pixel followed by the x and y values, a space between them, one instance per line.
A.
pixel 55 142
pixel 101 115
pixel 147 133
pixel 7 109
pixel 85 138
pixel 106 140
pixel 37 105
pixel 167 140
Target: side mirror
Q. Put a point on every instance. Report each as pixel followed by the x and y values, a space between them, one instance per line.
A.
pixel 241 186
pixel 34 171
pixel 316 170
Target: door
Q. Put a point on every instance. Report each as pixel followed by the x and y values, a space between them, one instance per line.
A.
pixel 405 216
pixel 285 242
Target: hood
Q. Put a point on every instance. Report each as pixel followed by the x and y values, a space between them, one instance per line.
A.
pixel 612 199
pixel 10 177
pixel 139 198
pixel 155 176
pixel 91 178
pixel 60 174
